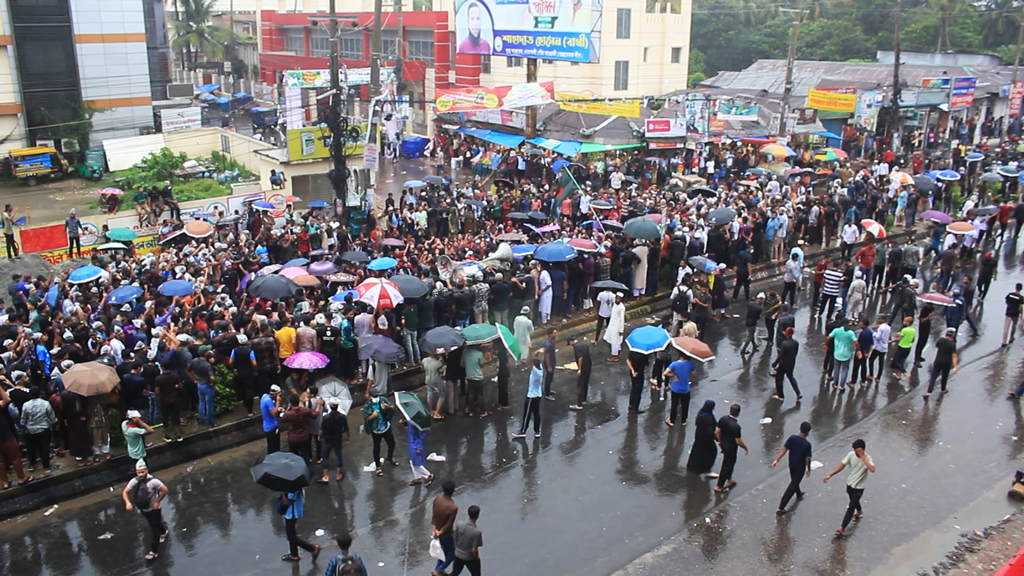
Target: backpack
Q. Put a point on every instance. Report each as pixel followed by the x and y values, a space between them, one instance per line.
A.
pixel 346 565
pixel 280 506
pixel 140 495
pixel 681 303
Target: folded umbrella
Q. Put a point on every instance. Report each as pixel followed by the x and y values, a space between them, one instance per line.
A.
pixel 176 288
pixel 382 264
pixel 872 227
pixel 642 228
pixel 410 286
pixel 282 472
pixel 273 287
pixel 90 379
pixel 333 390
pixel 380 293
pixel 124 294
pixel 85 274
pixel 413 409
pixel 441 340
pixel 307 360
pixel 480 334
pixel 381 348
pixel 693 348
pixel 647 339
pixel 355 256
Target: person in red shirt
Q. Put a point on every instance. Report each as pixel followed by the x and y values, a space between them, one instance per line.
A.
pixel 1004 219
pixel 303 238
pixel 819 279
pixel 866 260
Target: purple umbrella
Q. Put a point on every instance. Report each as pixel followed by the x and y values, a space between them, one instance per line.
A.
pixel 612 224
pixel 307 361
pixel 268 270
pixel 936 216
pixel 322 268
pixel 245 280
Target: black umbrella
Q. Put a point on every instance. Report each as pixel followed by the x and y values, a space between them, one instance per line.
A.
pixel 518 216
pixel 476 203
pixel 273 287
pixel 441 339
pixel 609 285
pixel 410 286
pixel 282 472
pixel 434 180
pixel 356 256
pixel 538 215
pixel 986 210
pixel 701 191
pixel 505 181
pixel 631 180
pixel 721 216
pixel 601 204
pixel 924 184
pixel 381 348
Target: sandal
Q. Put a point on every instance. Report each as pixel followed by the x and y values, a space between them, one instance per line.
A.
pixel 5 486
pixel 415 482
pixel 289 558
pixel 393 462
pixel 151 556
pixel 316 554
pixel 379 472
pixel 26 480
pixel 322 481
pixel 430 480
pixel 839 533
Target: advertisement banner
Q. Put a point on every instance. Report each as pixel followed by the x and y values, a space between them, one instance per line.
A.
pixel 940 82
pixel 314 143
pixel 664 127
pixel 322 78
pixel 623 108
pixel 482 98
pixel 962 95
pixel 1016 93
pixel 869 103
pixel 512 118
pixel 665 145
pixel 549 29
pixel 697 117
pixel 174 119
pixel 371 157
pixel 717 125
pixel 829 101
pixel 730 111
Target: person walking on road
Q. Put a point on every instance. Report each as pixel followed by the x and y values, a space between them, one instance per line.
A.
pixel 581 352
pixel 333 426
pixel 841 339
pixel 468 540
pixel 860 464
pixel 270 408
pixel 904 339
pixel 680 373
pixel 293 504
pixel 418 455
pixel 377 413
pixel 924 331
pixel 550 357
pixel 799 450
pixel 1014 302
pixel 753 316
pixel 637 362
pixel 346 562
pixel 522 327
pixel 785 363
pixel 145 493
pixel 616 325
pixel 730 439
pixel 531 408
pixel 945 362
pixel 705 448
pixel 443 522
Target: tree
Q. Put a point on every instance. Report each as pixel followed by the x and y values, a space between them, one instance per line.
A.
pixel 833 40
pixel 194 34
pixel 948 12
pixel 999 21
pixel 696 68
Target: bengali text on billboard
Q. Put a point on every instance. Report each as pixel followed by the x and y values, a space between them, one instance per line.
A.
pixel 499 97
pixel 549 29
pixel 731 111
pixel 1016 93
pixel 830 101
pixel 322 78
pixel 588 105
pixel 962 95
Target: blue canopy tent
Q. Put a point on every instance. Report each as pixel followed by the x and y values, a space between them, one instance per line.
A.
pixel 569 149
pixel 499 138
pixel 413 146
pixel 834 140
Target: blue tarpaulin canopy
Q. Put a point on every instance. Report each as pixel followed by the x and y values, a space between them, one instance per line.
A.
pixel 564 148
pixel 499 138
pixel 207 88
pixel 827 134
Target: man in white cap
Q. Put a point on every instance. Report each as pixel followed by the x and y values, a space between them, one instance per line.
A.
pixel 145 493
pixel 270 407
pixel 135 430
pixel 73 226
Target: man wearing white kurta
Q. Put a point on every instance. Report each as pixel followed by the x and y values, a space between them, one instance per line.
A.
pixel 522 327
pixel 640 272
pixel 544 300
pixel 616 325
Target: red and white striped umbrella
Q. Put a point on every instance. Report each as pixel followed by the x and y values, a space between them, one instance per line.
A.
pixel 873 228
pixel 380 293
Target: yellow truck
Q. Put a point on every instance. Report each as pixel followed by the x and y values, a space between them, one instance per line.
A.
pixel 31 164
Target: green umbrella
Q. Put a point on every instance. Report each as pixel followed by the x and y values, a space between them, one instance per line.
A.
pixel 479 333
pixel 509 340
pixel 413 409
pixel 642 228
pixel 121 234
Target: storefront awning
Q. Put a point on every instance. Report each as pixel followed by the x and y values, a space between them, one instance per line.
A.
pixel 569 149
pixel 589 147
pixel 499 138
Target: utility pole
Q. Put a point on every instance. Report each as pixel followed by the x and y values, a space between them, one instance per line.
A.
pixel 338 176
pixel 1016 66
pixel 531 111
pixel 787 91
pixel 894 124
pixel 375 50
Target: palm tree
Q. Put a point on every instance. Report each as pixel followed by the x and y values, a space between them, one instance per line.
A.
pixel 999 21
pixel 194 35
pixel 947 12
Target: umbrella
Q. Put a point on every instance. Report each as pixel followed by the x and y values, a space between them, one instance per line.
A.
pixel 441 340
pixel 110 191
pixel 282 472
pixel 124 294
pixel 342 294
pixel 171 236
pixel 307 360
pixel 546 229
pixel 85 274
pixel 518 216
pixel 267 270
pixel 318 204
pixel 1007 171
pixel 510 342
pixel 524 249
pixel 296 262
pixel 656 218
pixel 936 216
pixel 703 264
pixel 609 285
pixel 901 177
pixel 333 390
pixel 947 175
pixel 986 210
pixel 642 228
pixel 263 205
pixel 112 246
pixel 720 216
pixel 381 348
pixel 601 205
pixel 273 287
pixel 228 220
pixel 320 252
pixel 198 229
pixel 873 228
pixel 51 295
pixel 647 339
pixel 750 183
pixel 476 203
pixel 924 184
pixel 974 157
pixel 121 234
pixel 701 191
pixel 533 151
pixel 611 224
pixel 537 215
pixel 410 286
pixel 757 171
pixel 306 280
pixel 177 288
pixel 414 184
pixel 830 154
pixel 693 348
pixel 937 299
pixel 90 379
pixel 340 277
pixel 631 179
pixel 556 252
pixel 380 293
pixel 777 150
pixel 292 272
pixel 413 409
pixel 434 180
pixel 355 256
pixel 479 333
pixel 202 215
pixel 991 177
pixel 584 244
pixel 511 237
pixel 382 264
pixel 322 268
pixel 394 242
pixel 290 199
pixel 960 228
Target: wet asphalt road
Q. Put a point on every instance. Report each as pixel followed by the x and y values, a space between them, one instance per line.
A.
pixel 602 491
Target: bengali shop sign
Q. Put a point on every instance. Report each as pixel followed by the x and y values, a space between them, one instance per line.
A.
pixel 322 78
pixel 1016 94
pixel 829 101
pixel 962 95
pixel 483 98
pixel 550 29
pixel 587 105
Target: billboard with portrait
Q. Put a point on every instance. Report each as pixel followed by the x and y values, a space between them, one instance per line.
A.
pixel 567 30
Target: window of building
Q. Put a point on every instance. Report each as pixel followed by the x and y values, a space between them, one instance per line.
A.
pixel 513 61
pixel 623 23
pixel 663 6
pixel 485 64
pixel 423 5
pixel 389 45
pixel 351 48
pixel 677 55
pixel 622 75
pixel 225 144
pixel 419 45
pixel 295 40
pixel 546 61
pixel 647 50
pixel 319 43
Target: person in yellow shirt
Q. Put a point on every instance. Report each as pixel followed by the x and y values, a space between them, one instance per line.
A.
pixel 285 337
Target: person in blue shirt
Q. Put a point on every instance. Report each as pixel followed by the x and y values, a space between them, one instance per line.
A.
pixel 338 564
pixel 294 502
pixel 680 372
pixel 270 408
pixel 799 450
pixel 531 408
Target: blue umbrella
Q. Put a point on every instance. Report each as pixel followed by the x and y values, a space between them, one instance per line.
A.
pixel 946 175
pixel 85 274
pixel 647 339
pixel 382 264
pixel 263 205
pixel 124 294
pixel 415 184
pixel 974 156
pixel 555 252
pixel 51 296
pixel 317 204
pixel 524 249
pixel 296 262
pixel 340 296
pixel 177 288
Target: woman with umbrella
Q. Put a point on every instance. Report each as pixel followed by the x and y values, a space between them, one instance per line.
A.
pixel 377 413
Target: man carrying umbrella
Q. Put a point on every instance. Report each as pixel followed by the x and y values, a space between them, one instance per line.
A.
pixel 377 413
pixel 145 493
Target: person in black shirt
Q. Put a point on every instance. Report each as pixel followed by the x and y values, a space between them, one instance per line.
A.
pixel 753 317
pixel 730 439
pixel 799 464
pixel 133 388
pixel 425 311
pixel 499 296
pixel 333 426
pixel 329 338
pixel 1014 302
pixel 743 259
pixel 637 362
pixel 785 363
pixel 946 361
pixel 581 352
pixel 462 306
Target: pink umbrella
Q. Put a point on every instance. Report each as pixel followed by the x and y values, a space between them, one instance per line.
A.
pixel 113 191
pixel 549 228
pixel 380 293
pixel 394 242
pixel 655 217
pixel 307 361
pixel 292 271
pixel 584 244
pixel 937 299
pixel 873 228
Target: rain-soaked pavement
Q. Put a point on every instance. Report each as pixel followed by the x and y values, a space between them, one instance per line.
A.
pixel 603 491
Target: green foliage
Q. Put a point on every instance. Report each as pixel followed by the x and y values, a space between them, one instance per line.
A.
pixel 222 163
pixel 199 190
pixel 195 36
pixel 224 383
pixel 1007 53
pixel 833 40
pixel 696 68
pixel 114 424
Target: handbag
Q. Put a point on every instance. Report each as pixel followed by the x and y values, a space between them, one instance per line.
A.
pixel 280 506
pixel 436 552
